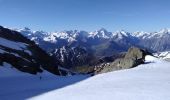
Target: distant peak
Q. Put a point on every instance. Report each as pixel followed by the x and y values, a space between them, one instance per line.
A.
pixel 26 28
pixel 102 29
pixel 165 30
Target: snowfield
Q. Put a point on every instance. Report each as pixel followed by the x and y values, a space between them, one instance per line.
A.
pixel 13 45
pixel 150 81
pixel 15 85
pixel 163 55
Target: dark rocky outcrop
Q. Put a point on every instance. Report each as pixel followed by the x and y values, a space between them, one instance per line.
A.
pixel 133 57
pixel 30 58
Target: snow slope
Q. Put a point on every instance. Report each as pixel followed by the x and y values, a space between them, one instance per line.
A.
pixel 16 85
pixel 163 55
pixel 150 81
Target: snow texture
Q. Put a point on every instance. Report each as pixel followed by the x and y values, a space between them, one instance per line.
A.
pixel 150 81
pixel 16 85
pixel 12 44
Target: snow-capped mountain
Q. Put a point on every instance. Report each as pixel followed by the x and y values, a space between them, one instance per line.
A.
pixel 33 35
pixel 102 33
pixel 99 43
pixel 147 35
pixel 156 41
pixel 163 55
pixel 70 57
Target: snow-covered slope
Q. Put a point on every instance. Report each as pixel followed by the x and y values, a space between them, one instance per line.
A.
pixel 16 85
pixel 163 55
pixel 150 81
pixel 23 54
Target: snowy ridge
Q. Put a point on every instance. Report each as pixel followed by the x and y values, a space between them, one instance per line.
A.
pixel 12 44
pixel 158 34
pixel 150 81
pixel 102 33
pixel 163 55
pixel 23 54
pixel 153 41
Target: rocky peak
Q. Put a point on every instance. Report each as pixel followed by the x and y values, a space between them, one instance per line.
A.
pixel 135 56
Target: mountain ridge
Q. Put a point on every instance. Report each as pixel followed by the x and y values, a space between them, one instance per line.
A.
pixel 80 45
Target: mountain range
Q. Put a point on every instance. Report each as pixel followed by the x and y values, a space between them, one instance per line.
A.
pixel 81 48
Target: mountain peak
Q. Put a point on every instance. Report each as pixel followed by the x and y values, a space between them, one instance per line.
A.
pixel 101 33
pixel 122 33
pixel 165 30
pixel 102 29
pixel 26 28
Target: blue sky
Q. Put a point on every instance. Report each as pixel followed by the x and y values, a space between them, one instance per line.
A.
pixel 57 15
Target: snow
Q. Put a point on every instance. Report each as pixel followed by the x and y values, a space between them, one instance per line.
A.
pixel 16 85
pixel 165 30
pixel 12 44
pixel 150 81
pixel 102 33
pixel 2 51
pixel 9 71
pixel 50 38
pixel 29 52
pixel 141 34
pixel 121 34
pixel 163 55
pixel 72 35
pixel 68 35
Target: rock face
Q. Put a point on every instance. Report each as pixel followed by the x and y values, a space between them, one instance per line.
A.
pixel 23 54
pixel 133 57
pixel 72 57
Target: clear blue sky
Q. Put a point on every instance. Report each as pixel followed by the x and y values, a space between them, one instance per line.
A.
pixel 52 15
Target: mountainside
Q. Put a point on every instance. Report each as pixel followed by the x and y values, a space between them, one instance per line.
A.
pixel 23 54
pixel 156 41
pixel 163 55
pixel 99 43
pixel 70 57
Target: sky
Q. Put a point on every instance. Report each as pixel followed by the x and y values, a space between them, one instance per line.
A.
pixel 89 15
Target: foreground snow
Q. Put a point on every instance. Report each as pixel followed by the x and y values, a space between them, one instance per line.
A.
pixel 15 85
pixel 150 81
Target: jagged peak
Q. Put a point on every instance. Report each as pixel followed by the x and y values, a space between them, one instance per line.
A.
pixel 102 29
pixel 26 28
pixel 122 33
pixel 164 30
